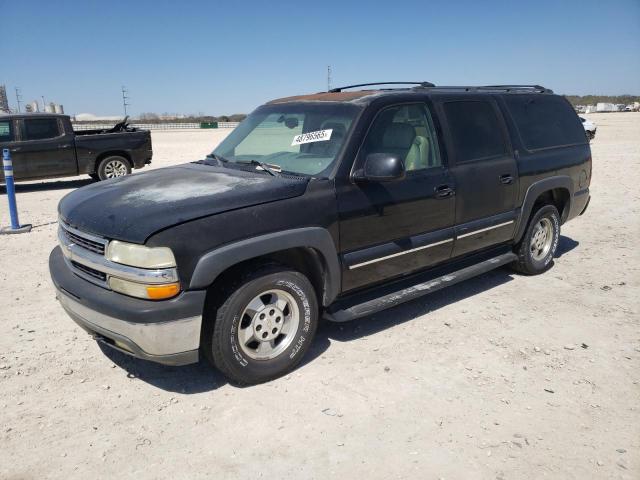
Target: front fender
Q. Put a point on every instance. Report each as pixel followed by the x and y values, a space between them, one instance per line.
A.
pixel 213 263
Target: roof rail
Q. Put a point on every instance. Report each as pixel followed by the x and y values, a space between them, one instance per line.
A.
pixel 537 88
pixel 422 84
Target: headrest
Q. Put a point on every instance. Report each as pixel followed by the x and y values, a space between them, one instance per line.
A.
pixel 338 128
pixel 398 135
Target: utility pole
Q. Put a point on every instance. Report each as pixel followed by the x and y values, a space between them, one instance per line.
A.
pixel 44 108
pixel 328 77
pixel 18 98
pixel 124 100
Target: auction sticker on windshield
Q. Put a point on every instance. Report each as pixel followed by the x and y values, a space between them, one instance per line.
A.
pixel 309 137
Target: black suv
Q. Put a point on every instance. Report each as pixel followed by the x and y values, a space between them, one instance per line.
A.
pixel 336 204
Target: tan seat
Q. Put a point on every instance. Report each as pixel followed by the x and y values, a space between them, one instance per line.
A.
pixel 418 155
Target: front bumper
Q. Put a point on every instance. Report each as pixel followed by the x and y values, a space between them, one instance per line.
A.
pixel 166 332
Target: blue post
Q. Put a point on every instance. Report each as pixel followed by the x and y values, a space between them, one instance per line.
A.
pixel 7 166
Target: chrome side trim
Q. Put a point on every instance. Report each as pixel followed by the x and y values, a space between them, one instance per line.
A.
pixel 98 262
pixel 358 265
pixel 165 338
pixel 484 229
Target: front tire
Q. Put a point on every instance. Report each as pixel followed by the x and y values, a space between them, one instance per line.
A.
pixel 113 167
pixel 539 243
pixel 264 327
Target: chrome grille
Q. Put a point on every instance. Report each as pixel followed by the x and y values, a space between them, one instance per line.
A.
pixel 84 240
pixel 90 271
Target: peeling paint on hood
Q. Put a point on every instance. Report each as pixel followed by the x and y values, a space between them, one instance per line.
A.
pixel 134 207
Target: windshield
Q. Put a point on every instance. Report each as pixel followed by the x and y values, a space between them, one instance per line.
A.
pixel 299 138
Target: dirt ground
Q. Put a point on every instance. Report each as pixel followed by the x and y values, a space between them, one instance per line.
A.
pixel 502 377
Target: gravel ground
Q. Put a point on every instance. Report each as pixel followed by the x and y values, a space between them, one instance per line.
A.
pixel 503 377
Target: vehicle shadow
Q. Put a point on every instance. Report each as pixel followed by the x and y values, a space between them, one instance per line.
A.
pixel 43 186
pixel 201 377
pixel 565 245
pixel 197 378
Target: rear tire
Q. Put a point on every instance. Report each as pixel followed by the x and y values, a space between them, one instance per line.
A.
pixel 113 167
pixel 539 243
pixel 263 326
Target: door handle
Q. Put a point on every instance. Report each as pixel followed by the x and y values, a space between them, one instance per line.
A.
pixel 15 149
pixel 66 145
pixel 444 191
pixel 506 179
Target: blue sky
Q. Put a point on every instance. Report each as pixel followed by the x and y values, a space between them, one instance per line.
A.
pixel 228 57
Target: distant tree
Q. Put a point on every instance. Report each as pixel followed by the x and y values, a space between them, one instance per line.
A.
pixel 237 117
pixel 149 117
pixel 593 99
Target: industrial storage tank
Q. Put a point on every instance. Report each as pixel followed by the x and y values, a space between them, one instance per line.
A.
pixel 59 108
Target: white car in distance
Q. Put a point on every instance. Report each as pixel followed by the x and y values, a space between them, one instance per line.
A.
pixel 589 128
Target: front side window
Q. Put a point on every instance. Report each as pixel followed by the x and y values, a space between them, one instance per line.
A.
pixel 475 130
pixel 6 135
pixel 407 131
pixel 298 138
pixel 41 128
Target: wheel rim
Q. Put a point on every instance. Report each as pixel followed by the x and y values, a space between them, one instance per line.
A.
pixel 115 168
pixel 541 239
pixel 268 324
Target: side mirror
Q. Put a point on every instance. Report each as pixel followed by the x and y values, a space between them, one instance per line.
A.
pixel 381 167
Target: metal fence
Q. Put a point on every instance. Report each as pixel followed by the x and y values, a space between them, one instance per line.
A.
pixel 150 126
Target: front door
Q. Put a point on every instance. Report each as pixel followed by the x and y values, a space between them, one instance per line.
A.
pixel 485 173
pixel 389 229
pixel 45 148
pixel 8 140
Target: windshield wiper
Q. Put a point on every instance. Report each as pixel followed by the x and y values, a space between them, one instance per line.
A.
pixel 217 157
pixel 270 168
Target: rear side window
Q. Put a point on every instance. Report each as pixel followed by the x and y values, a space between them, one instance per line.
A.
pixel 41 128
pixel 475 130
pixel 545 121
pixel 5 131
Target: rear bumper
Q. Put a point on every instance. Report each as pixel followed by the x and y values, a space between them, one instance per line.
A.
pixel 166 332
pixel 579 203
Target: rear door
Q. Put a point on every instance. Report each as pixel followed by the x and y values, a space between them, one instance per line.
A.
pixel 46 148
pixel 485 172
pixel 389 229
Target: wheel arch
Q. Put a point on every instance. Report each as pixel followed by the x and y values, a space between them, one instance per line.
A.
pixel 309 250
pixel 112 153
pixel 555 191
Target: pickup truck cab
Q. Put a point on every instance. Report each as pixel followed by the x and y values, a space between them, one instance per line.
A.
pixel 44 145
pixel 336 205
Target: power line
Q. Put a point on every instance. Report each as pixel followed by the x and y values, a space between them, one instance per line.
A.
pixel 18 98
pixel 124 100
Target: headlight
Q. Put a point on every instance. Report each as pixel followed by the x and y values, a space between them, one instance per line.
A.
pixel 141 290
pixel 139 255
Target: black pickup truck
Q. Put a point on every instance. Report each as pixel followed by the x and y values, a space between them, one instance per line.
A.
pixel 44 145
pixel 334 205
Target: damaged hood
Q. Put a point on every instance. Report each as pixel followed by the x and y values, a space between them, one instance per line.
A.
pixel 134 207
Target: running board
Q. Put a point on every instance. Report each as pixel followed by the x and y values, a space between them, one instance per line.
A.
pixel 346 313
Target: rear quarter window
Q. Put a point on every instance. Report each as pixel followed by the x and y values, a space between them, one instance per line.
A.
pixel 475 130
pixel 545 121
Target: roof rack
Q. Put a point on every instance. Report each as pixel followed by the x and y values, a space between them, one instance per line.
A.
pixel 537 88
pixel 422 84
pixel 468 88
pixel 505 88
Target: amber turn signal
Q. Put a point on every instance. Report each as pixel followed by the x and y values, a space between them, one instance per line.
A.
pixel 161 292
